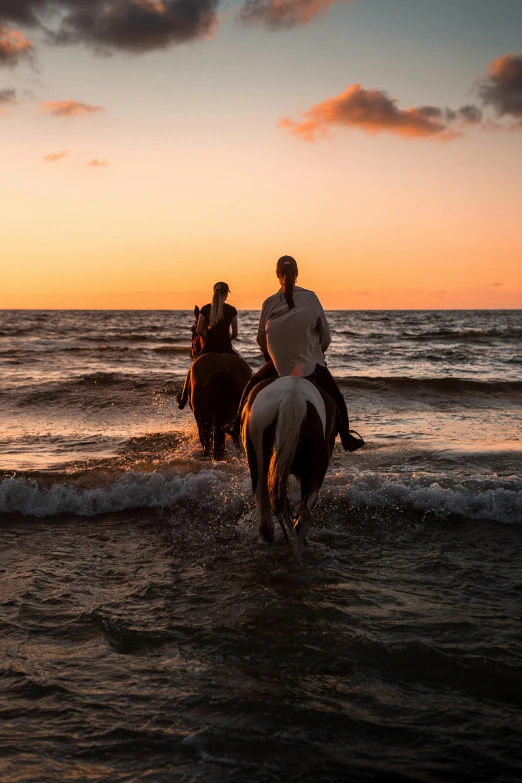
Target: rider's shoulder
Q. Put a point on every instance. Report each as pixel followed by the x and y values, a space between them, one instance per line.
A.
pixel 230 310
pixel 271 300
pixel 307 296
pixel 276 299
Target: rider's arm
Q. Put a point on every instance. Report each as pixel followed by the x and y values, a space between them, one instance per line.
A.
pixel 201 328
pixel 323 329
pixel 261 331
pixel 234 328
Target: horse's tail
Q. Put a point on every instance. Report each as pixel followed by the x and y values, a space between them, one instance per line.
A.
pixel 291 414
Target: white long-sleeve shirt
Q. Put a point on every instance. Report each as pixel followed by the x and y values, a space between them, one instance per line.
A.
pixel 295 339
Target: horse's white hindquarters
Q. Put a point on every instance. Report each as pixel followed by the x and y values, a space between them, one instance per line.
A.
pixel 266 404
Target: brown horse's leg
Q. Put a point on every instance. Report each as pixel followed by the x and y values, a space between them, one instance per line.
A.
pixel 204 438
pixel 223 390
pixel 182 398
pixel 203 422
pixel 218 440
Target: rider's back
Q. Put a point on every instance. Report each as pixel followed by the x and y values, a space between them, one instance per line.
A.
pixel 217 338
pixel 297 337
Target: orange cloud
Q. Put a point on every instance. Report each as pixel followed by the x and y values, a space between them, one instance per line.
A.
pixel 277 14
pixel 69 108
pixel 373 111
pixel 95 163
pixel 14 46
pixel 55 156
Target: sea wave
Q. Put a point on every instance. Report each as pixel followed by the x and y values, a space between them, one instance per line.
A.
pixel 103 384
pixel 160 381
pixel 476 498
pixel 442 385
pixel 508 333
pixel 30 351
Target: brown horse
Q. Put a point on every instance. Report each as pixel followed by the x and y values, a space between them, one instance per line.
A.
pixel 288 427
pixel 216 383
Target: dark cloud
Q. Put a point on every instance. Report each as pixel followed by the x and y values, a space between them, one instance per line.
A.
pixel 470 114
pixel 7 95
pixel 96 163
pixel 137 25
pixel 502 87
pixel 22 11
pixel 373 111
pixel 14 46
pixel 279 14
pixel 106 25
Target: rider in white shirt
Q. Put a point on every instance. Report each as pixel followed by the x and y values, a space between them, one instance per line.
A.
pixel 295 338
pixel 293 335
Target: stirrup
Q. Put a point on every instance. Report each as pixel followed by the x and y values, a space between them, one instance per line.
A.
pixel 355 443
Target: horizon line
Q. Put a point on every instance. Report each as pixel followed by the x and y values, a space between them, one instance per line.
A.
pixel 256 310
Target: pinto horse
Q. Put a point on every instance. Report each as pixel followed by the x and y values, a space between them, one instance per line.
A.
pixel 288 427
pixel 216 383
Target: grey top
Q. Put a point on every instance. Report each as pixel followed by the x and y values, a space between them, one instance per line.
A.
pixel 295 339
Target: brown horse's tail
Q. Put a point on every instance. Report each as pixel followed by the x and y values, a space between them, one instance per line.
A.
pixel 291 414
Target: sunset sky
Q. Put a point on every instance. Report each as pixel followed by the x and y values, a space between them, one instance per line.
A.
pixel 151 147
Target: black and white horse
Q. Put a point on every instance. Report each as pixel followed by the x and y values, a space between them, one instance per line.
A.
pixel 288 428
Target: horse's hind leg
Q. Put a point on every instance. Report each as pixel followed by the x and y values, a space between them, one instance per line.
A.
pixel 258 474
pixel 218 441
pixel 305 518
pixel 310 485
pixel 262 498
pixel 204 432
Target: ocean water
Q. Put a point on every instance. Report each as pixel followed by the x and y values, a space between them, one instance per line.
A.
pixel 146 633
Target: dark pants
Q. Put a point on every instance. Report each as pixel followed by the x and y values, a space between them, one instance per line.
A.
pixel 321 376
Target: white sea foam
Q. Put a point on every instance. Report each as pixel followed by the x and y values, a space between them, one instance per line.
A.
pixel 131 491
pixel 477 498
pixel 480 498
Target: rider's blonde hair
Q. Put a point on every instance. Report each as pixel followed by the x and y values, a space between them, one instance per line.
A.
pixel 216 310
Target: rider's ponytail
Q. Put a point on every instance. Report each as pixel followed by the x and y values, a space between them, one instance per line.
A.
pixel 286 271
pixel 216 310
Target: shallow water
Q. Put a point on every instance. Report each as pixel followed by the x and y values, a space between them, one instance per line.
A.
pixel 141 647
pixel 146 633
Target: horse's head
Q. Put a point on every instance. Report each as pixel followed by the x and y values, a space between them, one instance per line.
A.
pixel 197 340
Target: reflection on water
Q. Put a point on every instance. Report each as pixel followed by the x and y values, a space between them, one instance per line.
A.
pixel 181 648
